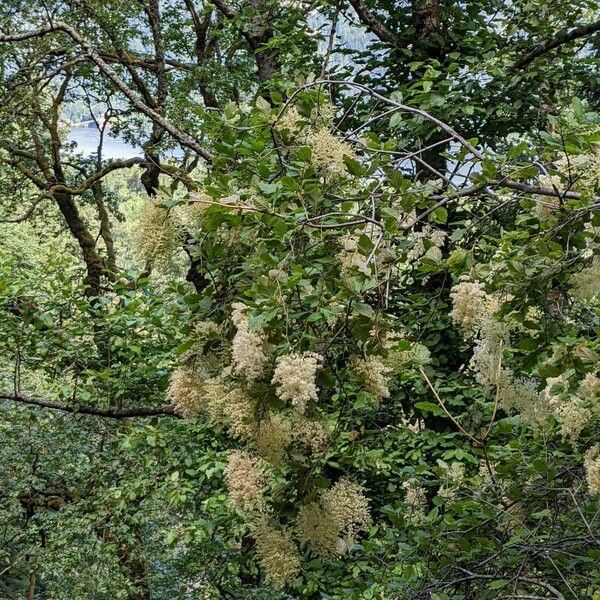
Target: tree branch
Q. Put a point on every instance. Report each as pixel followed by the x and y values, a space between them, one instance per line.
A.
pixel 555 42
pixel 373 24
pixel 257 37
pixel 126 413
pixel 183 138
pixel 224 8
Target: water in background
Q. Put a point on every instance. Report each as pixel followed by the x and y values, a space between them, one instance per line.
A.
pixel 87 139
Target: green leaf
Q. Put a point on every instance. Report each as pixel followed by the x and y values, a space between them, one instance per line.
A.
pixel 430 407
pixel 365 244
pixel 439 215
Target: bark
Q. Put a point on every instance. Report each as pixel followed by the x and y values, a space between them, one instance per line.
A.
pixel 427 25
pixel 105 230
pixel 201 49
pixel 31 587
pixel 93 261
pixel 428 45
pixel 126 413
pixel 557 41
pixel 374 25
pixel 257 34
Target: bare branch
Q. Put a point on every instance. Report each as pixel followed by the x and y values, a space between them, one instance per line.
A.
pixel 29 212
pixel 559 40
pixel 182 137
pixel 373 24
pixel 126 413
pixel 224 8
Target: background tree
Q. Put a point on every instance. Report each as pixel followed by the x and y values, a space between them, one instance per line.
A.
pixel 331 332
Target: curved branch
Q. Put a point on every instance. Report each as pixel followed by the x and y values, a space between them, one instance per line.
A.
pixel 373 24
pixel 224 8
pixel 555 42
pixel 183 138
pixel 97 176
pixel 126 413
pixel 403 107
pixel 550 588
pixel 29 212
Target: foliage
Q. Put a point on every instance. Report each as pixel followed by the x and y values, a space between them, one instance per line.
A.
pixel 342 344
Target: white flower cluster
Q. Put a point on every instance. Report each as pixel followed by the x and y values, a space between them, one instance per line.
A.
pixel 248 346
pixel 415 427
pixel 590 385
pixel 428 242
pixel 245 479
pixel 468 304
pixel 474 310
pixel 373 374
pixel 277 553
pixel 290 120
pixel 272 436
pixel 415 499
pixel 310 433
pixel 158 234
pixel 328 153
pixel 574 410
pixel 487 359
pixel 453 476
pixel 331 524
pixel 520 394
pixel 185 392
pixel 294 378
pixel 574 416
pixel 585 284
pixel 581 169
pixel 591 464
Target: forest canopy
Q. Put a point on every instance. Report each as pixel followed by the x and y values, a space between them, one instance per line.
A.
pixel 317 314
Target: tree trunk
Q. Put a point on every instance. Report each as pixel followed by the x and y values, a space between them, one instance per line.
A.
pixel 429 45
pixel 87 243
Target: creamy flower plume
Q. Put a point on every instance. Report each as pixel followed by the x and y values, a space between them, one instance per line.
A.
pixel 574 415
pixel 215 392
pixel 245 479
pixel 591 465
pixel 294 378
pixel 331 524
pixel 475 311
pixel 574 411
pixel 158 233
pixel 238 409
pixel 414 499
pixel 373 374
pixel 452 478
pixel 185 392
pixel 290 121
pixel 316 528
pixel 277 553
pixel 426 242
pixel 468 304
pixel 519 394
pixel 310 433
pixel 272 436
pixel 590 384
pixel 248 346
pixel 585 284
pixel 328 152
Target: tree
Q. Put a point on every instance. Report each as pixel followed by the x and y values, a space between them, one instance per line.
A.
pixel 342 343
